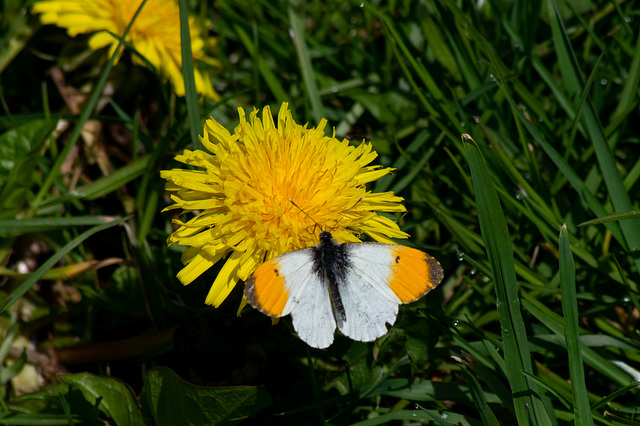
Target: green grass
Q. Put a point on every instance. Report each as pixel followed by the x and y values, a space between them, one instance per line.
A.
pixel 532 214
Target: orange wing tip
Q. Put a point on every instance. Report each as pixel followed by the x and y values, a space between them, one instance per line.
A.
pixel 413 273
pixel 266 291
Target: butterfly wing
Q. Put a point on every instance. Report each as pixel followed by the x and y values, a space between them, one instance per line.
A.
pixel 382 276
pixel 288 284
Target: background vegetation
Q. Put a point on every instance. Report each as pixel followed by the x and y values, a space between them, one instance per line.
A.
pixel 535 323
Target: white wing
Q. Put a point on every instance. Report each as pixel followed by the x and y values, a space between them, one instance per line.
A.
pixel 369 303
pixel 309 300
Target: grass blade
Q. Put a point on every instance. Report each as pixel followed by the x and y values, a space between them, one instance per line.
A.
pixel 191 96
pixel 404 53
pixel 581 407
pixel 273 83
pixel 86 113
pixel 594 131
pixel 565 168
pixel 19 226
pixel 554 323
pixel 487 416
pixel 115 180
pixel 612 218
pixel 495 234
pixel 628 95
pixel 39 273
pixel 297 28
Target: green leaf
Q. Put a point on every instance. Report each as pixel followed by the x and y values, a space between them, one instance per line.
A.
pixel 116 399
pixel 359 375
pixel 172 401
pixel 495 235
pixel 19 151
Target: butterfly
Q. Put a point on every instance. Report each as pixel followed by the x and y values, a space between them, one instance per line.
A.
pixel 356 287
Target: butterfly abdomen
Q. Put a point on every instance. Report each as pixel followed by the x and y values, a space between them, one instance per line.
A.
pixel 331 262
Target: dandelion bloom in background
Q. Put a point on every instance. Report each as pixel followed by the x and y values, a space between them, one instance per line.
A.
pixel 241 196
pixel 155 34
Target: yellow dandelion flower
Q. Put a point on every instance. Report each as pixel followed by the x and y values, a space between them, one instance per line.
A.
pixel 241 196
pixel 155 33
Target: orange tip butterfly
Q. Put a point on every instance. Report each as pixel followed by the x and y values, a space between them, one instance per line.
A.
pixel 354 286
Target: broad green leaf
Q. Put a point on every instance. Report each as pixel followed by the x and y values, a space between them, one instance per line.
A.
pixel 172 401
pixel 20 142
pixel 360 375
pixel 116 399
pixel 19 151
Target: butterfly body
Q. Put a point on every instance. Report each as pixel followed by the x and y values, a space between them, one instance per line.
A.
pixel 355 287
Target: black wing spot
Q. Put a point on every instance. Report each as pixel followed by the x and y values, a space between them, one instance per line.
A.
pixel 397 259
pixel 277 272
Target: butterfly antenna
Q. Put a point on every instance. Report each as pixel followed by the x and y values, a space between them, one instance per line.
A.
pixel 341 217
pixel 305 213
pixel 347 212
